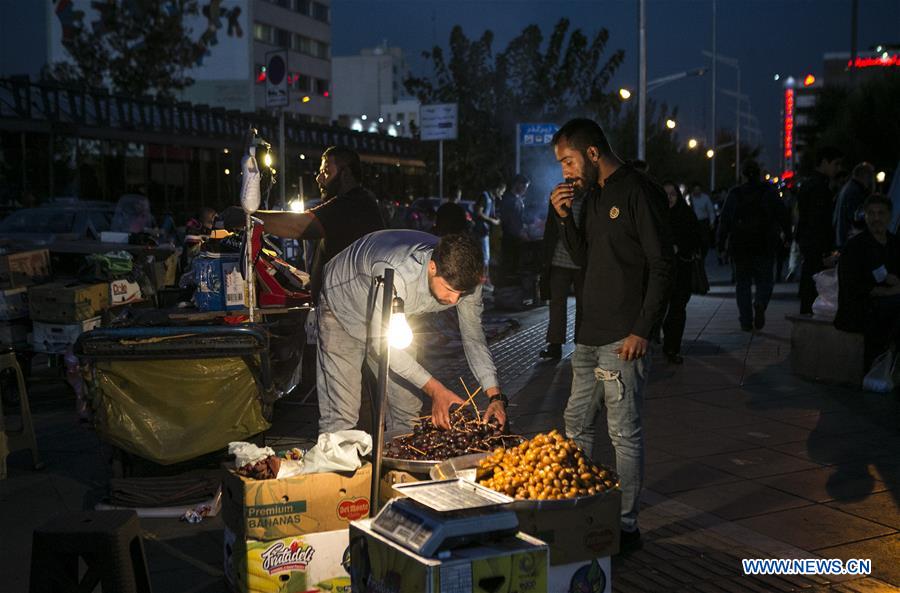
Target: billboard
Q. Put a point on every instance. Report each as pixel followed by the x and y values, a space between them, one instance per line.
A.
pixel 224 26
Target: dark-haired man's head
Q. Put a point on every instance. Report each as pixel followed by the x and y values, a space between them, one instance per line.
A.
pixel 519 185
pixel 579 145
pixel 864 173
pixel 828 161
pixel 878 208
pixel 339 171
pixel 751 171
pixel 455 268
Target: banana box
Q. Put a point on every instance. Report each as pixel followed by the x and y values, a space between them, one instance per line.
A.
pixel 311 563
pixel 515 564
pixel 308 503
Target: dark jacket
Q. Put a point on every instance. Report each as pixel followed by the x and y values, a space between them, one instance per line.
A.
pixel 753 221
pixel 815 205
pixel 861 256
pixel 685 230
pixel 625 249
pixel 551 238
pixel 849 201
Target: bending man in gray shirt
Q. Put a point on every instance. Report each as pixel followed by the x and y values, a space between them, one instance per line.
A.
pixel 429 275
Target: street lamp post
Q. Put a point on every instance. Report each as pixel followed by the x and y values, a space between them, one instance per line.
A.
pixel 733 62
pixel 642 79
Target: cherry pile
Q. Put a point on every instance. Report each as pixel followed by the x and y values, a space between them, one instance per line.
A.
pixel 467 435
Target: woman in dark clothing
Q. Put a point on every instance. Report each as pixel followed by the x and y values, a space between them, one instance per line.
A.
pixel 686 236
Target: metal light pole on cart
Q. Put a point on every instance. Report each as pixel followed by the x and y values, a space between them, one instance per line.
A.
pixel 394 332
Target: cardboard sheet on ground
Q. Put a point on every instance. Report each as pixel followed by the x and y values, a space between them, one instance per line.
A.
pixel 169 411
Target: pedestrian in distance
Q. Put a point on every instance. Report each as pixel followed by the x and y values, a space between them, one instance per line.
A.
pixel 815 233
pixel 754 223
pixel 686 232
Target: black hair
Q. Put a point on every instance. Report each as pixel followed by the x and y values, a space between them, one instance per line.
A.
pixel 828 153
pixel 459 261
pixel 345 158
pixel 520 179
pixel 582 133
pixel 640 164
pixel 751 170
pixel 878 199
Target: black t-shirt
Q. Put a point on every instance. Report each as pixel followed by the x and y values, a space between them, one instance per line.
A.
pixel 345 218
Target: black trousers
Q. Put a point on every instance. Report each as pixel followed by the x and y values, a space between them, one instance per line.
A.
pixel 676 313
pixel 561 280
pixel 812 264
pixel 882 326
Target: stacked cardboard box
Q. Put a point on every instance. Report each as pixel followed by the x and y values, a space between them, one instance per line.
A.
pixel 61 312
pixel 290 535
pixel 18 271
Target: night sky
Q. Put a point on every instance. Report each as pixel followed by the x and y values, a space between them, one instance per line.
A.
pixel 766 36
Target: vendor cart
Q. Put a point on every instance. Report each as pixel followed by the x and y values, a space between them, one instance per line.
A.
pixel 172 393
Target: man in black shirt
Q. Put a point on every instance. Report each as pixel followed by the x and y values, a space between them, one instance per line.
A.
pixel 347 212
pixel 625 250
pixel 815 235
pixel 869 281
pixel 753 225
pixel 451 217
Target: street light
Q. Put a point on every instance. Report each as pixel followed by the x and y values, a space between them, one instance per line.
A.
pixel 625 94
pixel 880 176
pixel 710 153
pixel 670 123
pixel 642 107
pixel 692 143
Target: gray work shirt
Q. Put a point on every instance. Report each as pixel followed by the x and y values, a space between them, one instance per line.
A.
pixel 347 283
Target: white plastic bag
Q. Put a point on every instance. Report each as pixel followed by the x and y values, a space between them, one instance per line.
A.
pixel 826 303
pixel 337 452
pixel 880 378
pixel 245 453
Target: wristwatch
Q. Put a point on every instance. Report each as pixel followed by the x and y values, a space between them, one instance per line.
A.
pixel 499 397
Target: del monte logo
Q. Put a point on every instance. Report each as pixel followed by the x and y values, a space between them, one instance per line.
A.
pixel 353 509
pixel 280 558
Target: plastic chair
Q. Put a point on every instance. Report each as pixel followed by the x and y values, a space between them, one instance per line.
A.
pixel 110 544
pixel 24 437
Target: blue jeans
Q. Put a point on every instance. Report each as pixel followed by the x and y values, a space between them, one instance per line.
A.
pixel 601 378
pixel 749 270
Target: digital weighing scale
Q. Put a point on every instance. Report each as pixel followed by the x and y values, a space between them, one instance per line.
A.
pixel 445 514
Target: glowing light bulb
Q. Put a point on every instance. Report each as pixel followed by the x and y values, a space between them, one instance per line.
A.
pixel 400 335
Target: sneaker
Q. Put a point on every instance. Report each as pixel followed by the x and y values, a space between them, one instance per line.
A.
pixel 630 541
pixel 553 351
pixel 674 358
pixel 759 317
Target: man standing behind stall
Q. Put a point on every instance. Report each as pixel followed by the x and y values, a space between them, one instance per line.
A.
pixel 625 249
pixel 348 211
pixel 430 275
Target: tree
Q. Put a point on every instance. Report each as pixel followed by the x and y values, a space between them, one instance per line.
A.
pixel 864 122
pixel 527 82
pixel 134 47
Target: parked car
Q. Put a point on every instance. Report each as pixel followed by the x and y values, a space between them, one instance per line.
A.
pixel 41 225
pixel 421 212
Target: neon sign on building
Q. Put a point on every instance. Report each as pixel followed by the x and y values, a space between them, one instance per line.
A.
pixel 882 61
pixel 788 128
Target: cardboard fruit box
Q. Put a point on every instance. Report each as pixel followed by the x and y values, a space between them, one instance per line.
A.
pixel 295 564
pixel 24 268
pixel 309 503
pixel 58 302
pixel 579 533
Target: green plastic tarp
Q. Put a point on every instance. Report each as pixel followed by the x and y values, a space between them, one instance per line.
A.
pixel 169 411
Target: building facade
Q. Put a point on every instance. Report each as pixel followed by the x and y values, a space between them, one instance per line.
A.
pixel 369 92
